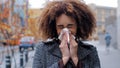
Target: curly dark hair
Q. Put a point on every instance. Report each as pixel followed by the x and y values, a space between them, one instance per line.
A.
pixel 79 11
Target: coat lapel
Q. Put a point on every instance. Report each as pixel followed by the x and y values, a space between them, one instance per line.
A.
pixel 83 50
pixel 54 50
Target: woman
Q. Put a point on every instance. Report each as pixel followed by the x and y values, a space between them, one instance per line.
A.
pixel 80 22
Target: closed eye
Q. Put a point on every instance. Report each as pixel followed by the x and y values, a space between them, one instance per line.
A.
pixel 70 25
pixel 60 26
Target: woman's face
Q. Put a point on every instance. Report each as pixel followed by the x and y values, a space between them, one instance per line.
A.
pixel 64 21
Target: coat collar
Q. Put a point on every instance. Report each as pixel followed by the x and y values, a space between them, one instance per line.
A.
pixel 54 50
pixel 83 50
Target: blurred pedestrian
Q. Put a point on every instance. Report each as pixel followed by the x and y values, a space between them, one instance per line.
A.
pixel 108 41
pixel 65 23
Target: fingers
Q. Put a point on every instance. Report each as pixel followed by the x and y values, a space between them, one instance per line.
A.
pixel 73 43
pixel 72 37
pixel 64 41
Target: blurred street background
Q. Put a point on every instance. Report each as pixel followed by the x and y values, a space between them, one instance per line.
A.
pixel 19 31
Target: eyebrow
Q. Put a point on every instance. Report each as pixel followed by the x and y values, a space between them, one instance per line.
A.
pixel 59 25
pixel 70 24
pixel 66 26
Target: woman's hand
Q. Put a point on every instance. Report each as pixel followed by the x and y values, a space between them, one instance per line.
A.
pixel 66 52
pixel 64 49
pixel 73 50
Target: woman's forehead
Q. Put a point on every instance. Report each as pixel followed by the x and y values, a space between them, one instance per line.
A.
pixel 65 19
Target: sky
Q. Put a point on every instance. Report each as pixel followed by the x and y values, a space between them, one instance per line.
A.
pixel 108 3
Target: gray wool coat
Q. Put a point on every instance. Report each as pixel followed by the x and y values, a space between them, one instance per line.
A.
pixel 48 55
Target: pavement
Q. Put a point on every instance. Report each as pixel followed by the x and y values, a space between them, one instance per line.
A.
pixel 15 59
pixel 107 60
pixel 30 62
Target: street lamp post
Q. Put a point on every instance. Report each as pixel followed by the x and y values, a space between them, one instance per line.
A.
pixel 8 61
pixel 21 59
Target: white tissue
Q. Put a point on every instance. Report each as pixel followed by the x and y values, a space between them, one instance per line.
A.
pixel 62 32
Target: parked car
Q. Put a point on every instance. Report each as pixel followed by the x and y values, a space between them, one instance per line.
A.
pixel 26 42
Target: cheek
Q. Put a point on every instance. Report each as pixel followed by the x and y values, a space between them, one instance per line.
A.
pixel 58 31
pixel 73 31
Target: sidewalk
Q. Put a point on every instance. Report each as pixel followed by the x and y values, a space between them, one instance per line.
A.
pixel 29 64
pixel 15 60
pixel 4 51
pixel 108 60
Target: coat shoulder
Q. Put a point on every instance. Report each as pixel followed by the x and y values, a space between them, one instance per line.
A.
pixel 87 46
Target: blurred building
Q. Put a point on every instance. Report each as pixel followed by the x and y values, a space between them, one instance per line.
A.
pixel 13 16
pixel 103 14
pixel 4 15
pixel 34 15
pixel 13 12
pixel 118 24
pixel 21 8
pixel 106 22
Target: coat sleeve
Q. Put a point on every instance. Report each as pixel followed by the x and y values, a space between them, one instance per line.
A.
pixel 95 62
pixel 38 57
pixel 39 60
